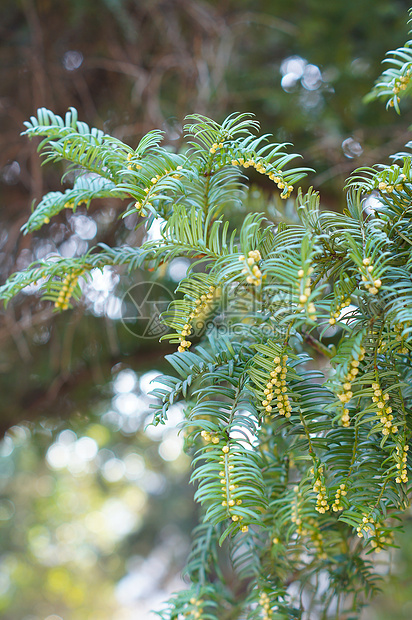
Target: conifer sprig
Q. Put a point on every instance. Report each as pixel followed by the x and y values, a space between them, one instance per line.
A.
pixel 300 472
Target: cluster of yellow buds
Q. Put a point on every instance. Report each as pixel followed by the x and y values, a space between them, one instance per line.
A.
pixel 402 457
pixel 346 394
pixel 70 204
pixel 264 602
pixel 215 147
pixel 403 350
pixel 176 176
pixel 273 174
pixel 131 166
pixel 390 187
pixel 158 177
pixel 304 287
pixel 184 345
pixel 277 387
pixel 202 306
pixel 382 538
pixel 374 530
pixel 254 274
pixel 210 437
pixel 344 303
pixel 379 540
pixel 195 612
pixel 317 541
pixel 386 187
pixel 402 82
pixel 69 284
pixel 340 492
pixel 295 515
pixel 384 410
pixel 228 486
pixel 366 526
pixel 345 418
pixel 321 498
pixel 370 283
pixel 139 207
pixel 150 190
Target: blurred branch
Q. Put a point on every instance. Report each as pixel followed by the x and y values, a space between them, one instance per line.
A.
pixel 264 19
pixel 17 328
pixel 67 392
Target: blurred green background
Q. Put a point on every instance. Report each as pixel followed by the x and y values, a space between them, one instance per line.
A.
pixel 96 512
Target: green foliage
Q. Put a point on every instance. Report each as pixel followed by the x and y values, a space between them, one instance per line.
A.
pixel 299 473
pixel 394 82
